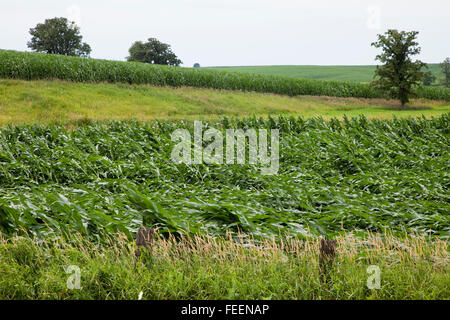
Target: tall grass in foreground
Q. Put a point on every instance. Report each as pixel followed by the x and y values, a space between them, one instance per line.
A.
pixel 203 267
pixel 33 66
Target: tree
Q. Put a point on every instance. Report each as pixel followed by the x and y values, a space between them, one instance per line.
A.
pixel 197 65
pixel 445 67
pixel 428 79
pixel 58 36
pixel 399 74
pixel 153 51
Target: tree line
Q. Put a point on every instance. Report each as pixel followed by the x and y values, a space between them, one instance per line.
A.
pixel 61 36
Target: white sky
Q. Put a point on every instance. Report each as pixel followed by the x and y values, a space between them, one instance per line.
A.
pixel 239 32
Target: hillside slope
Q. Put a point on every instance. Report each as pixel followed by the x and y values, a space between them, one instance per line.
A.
pixel 66 102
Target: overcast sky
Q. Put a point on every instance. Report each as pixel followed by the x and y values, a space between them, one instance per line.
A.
pixel 239 32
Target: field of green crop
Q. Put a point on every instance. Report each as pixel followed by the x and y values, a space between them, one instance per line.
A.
pixel 34 66
pixel 350 176
pixel 329 73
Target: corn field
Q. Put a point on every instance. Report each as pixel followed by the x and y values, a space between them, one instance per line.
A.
pixel 34 66
pixel 334 177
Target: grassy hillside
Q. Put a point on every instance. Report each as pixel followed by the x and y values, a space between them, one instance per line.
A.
pixel 335 73
pixel 27 102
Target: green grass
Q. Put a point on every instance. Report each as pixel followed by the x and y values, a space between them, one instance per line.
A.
pixel 330 73
pixel 28 102
pixel 36 66
pixel 219 268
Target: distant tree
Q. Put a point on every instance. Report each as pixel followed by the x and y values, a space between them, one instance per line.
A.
pixel 445 67
pixel 196 65
pixel 58 36
pixel 399 74
pixel 153 51
pixel 428 79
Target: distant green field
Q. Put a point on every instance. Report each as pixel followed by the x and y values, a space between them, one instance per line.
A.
pixel 336 73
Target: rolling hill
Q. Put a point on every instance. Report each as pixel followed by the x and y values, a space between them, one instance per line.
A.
pixel 334 73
